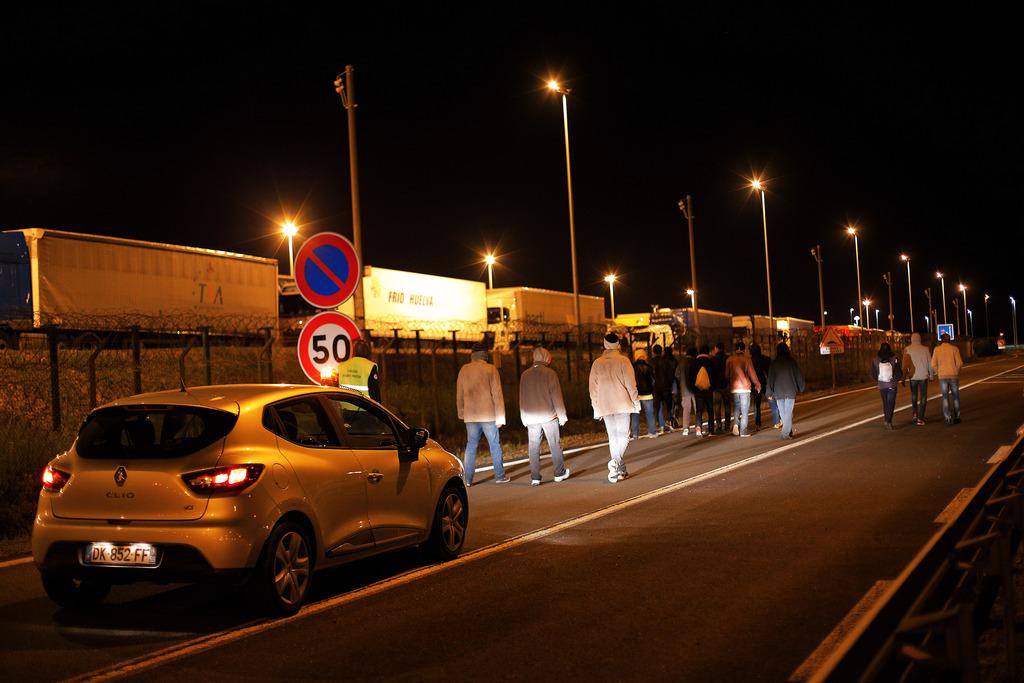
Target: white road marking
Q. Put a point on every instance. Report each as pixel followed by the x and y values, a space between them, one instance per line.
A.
pixel 1000 454
pixel 15 562
pixel 209 642
pixel 805 671
pixel 955 506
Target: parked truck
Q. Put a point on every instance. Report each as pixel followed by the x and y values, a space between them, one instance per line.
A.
pixel 77 282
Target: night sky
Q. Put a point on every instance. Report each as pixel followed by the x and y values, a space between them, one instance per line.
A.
pixel 207 124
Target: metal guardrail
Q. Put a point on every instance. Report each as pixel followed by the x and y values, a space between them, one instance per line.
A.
pixel 926 624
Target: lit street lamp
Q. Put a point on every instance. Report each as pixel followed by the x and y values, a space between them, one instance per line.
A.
pixel 867 312
pixel 856 320
pixel 556 87
pixel 290 230
pixel 928 325
pixel 910 291
pixel 877 324
pixel 986 316
pixel 943 281
pixel 610 279
pixel 970 318
pixel 1013 302
pixel 851 315
pixel 758 186
pixel 963 288
pixel 850 230
pixel 490 261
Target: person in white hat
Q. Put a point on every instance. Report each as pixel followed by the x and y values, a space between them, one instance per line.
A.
pixel 542 411
pixel 613 395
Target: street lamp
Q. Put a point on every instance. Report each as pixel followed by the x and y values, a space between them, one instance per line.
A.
pixel 877 324
pixel 850 230
pixel 610 279
pixel 758 186
pixel 910 291
pixel 945 320
pixel 555 87
pixel 867 312
pixel 986 316
pixel 290 230
pixel 963 288
pixel 1013 302
pixel 490 261
pixel 856 320
pixel 927 325
pixel 970 319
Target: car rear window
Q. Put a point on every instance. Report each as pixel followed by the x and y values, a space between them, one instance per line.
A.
pixel 130 432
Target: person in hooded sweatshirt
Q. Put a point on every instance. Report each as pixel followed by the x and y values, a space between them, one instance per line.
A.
pixel 614 397
pixel 542 411
pixel 481 406
pixel 785 381
pixel 917 362
pixel 644 375
pixel 703 389
pixel 886 370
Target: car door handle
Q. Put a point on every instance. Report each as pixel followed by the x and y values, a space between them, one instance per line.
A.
pixel 374 476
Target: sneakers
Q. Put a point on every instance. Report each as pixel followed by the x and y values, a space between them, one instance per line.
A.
pixel 564 476
pixel 697 432
pixel 777 426
pixel 686 431
pixel 735 430
pixel 918 421
pixel 650 436
pixel 535 482
pixel 744 435
pixel 623 475
pixel 615 475
pixel 503 480
pixel 888 426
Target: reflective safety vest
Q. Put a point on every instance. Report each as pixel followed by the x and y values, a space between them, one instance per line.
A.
pixel 355 374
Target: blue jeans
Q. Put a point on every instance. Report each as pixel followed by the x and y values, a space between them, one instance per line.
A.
pixel 888 402
pixel 740 408
pixel 773 405
pixel 919 397
pixel 786 414
pixel 490 431
pixel 648 407
pixel 950 389
pixel 550 431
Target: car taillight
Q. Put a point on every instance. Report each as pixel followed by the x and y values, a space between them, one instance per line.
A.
pixel 230 479
pixel 54 479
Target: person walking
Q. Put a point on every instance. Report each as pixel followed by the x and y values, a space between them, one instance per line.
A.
pixel 785 381
pixel 946 363
pixel 481 406
pixel 614 396
pixel 702 376
pixel 664 367
pixel 886 370
pixel 917 363
pixel 761 364
pixel 723 397
pixel 742 378
pixel 644 375
pixel 359 373
pixel 542 410
pixel 685 390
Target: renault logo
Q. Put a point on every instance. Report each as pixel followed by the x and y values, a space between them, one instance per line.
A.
pixel 120 475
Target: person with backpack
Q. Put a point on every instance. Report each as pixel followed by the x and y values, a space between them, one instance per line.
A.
pixel 645 390
pixel 614 397
pixel 946 363
pixel 785 381
pixel 917 364
pixel 664 367
pixel 761 364
pixel 685 388
pixel 886 370
pixel 723 396
pixel 742 379
pixel 702 380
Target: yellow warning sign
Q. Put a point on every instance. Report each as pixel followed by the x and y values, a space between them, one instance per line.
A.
pixel 832 342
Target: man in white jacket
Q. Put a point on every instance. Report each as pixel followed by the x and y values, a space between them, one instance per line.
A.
pixel 482 407
pixel 613 394
pixel 542 410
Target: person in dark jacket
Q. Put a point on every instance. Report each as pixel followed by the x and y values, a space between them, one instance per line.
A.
pixel 761 365
pixel 723 395
pixel 886 370
pixel 645 392
pixel 704 397
pixel 785 381
pixel 664 368
pixel 685 388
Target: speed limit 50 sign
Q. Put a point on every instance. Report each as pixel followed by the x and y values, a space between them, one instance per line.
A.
pixel 325 342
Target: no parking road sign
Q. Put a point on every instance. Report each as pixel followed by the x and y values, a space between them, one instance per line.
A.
pixel 327 270
pixel 944 328
pixel 326 342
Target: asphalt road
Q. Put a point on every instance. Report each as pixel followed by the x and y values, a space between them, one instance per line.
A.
pixel 718 559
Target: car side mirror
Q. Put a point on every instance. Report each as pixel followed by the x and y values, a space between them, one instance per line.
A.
pixel 416 438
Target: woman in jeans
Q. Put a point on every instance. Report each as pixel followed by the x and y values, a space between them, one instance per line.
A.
pixel 885 369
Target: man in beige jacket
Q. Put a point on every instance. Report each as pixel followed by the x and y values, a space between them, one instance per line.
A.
pixel 613 395
pixel 946 363
pixel 542 411
pixel 482 407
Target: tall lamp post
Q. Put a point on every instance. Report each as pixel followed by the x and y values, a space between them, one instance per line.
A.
pixel 850 230
pixel 290 230
pixel 556 87
pixel 910 291
pixel 963 288
pixel 686 206
pixel 943 281
pixel 867 313
pixel 344 85
pixel 610 279
pixel 987 333
pixel 851 315
pixel 1013 302
pixel 758 186
pixel 970 322
pixel 490 260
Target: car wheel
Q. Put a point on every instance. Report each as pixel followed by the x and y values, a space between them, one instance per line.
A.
pixel 72 593
pixel 451 519
pixel 282 577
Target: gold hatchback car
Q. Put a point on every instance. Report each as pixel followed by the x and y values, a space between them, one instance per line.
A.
pixel 259 484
